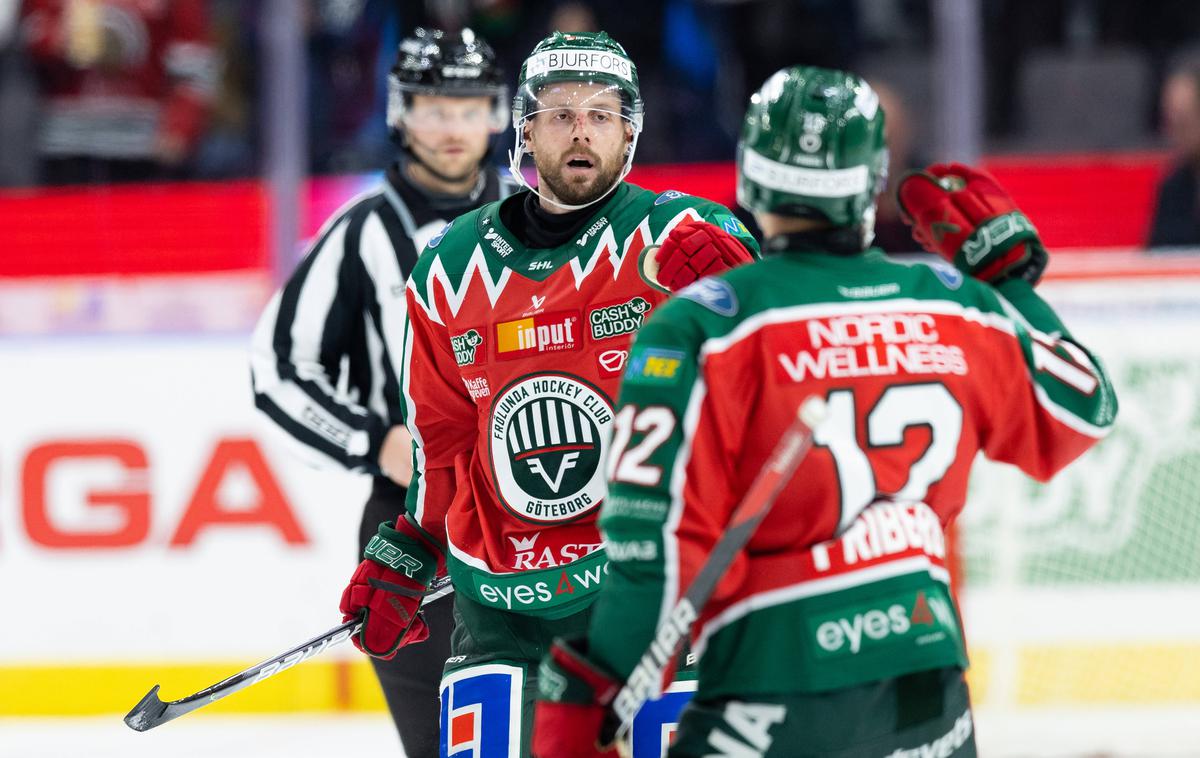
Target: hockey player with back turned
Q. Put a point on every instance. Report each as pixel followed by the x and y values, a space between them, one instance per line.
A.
pixel 345 302
pixel 520 318
pixel 834 632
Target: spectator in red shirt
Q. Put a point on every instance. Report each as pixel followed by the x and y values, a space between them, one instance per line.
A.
pixel 125 85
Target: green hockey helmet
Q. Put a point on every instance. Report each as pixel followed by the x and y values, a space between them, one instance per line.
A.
pixel 576 58
pixel 591 57
pixel 812 146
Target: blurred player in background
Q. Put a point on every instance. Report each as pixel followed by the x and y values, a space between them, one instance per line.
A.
pixel 520 319
pixel 326 365
pixel 834 633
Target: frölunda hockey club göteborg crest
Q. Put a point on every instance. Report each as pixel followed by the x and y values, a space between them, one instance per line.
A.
pixel 547 442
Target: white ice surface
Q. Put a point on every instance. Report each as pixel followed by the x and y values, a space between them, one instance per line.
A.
pixel 1106 733
pixel 198 736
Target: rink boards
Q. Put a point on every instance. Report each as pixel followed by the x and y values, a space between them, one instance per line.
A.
pixel 152 531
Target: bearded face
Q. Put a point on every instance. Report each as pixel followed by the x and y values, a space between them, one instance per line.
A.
pixel 448 135
pixel 578 140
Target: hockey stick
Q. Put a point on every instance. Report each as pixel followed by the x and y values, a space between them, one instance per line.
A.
pixel 151 711
pixel 646 680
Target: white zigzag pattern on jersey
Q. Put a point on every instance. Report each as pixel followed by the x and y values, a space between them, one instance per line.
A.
pixel 679 218
pixel 454 297
pixel 642 230
pixel 607 242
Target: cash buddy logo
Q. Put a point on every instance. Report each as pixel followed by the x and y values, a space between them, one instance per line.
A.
pixel 547 437
pixel 620 318
pixel 465 346
pixel 541 333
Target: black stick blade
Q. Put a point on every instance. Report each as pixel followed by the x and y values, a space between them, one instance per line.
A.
pixel 148 713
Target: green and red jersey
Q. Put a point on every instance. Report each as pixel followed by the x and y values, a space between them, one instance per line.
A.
pixel 513 357
pixel 921 367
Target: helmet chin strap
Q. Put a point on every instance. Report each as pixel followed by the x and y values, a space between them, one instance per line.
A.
pixel 868 226
pixel 518 153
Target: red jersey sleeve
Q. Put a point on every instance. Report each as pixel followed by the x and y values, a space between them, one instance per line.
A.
pixel 1062 405
pixel 439 413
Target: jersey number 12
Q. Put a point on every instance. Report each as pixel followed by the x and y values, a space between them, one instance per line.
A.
pixel 898 408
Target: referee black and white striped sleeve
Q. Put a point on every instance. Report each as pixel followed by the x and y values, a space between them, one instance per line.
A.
pixel 297 353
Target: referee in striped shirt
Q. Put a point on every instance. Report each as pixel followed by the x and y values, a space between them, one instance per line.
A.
pixel 327 348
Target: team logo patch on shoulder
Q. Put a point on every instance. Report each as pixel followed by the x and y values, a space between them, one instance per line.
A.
pixel 717 295
pixel 466 347
pixel 548 435
pixel 437 238
pixel 654 365
pixel 950 276
pixel 616 319
pixel 668 196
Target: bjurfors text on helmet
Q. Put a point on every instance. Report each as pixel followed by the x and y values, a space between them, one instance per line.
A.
pixel 588 61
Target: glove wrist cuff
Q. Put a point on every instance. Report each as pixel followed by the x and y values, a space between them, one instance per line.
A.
pixel 403 554
pixel 568 676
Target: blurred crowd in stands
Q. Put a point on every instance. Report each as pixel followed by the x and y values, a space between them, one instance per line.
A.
pixel 122 90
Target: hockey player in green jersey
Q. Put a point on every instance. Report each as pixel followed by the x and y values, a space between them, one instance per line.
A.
pixel 834 632
pixel 521 314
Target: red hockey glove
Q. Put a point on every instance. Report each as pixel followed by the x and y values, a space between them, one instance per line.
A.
pixel 694 250
pixel 574 695
pixel 387 589
pixel 965 216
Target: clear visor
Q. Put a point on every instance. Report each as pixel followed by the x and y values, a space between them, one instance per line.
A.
pixel 446 109
pixel 568 104
pixel 569 101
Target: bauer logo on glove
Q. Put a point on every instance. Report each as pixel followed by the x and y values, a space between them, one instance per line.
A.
pixel 386 589
pixel 966 217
